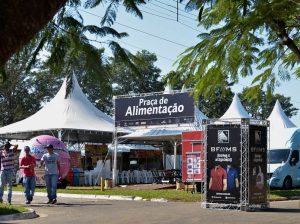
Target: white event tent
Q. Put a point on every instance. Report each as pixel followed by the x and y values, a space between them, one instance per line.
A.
pixel 235 110
pixel 71 119
pixel 281 127
pixel 278 118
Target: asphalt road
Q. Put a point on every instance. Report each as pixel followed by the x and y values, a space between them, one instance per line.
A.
pixel 71 210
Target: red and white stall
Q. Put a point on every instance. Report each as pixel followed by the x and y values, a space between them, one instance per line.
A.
pixel 193 157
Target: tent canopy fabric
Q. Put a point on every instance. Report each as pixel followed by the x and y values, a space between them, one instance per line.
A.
pixel 235 110
pixel 74 118
pixel 156 134
pixel 278 118
pixel 128 147
pixel 170 132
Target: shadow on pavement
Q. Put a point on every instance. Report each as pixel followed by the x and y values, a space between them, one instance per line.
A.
pixel 67 205
pixel 283 210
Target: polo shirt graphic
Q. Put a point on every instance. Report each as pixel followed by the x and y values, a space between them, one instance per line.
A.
pixel 217 175
pixel 232 175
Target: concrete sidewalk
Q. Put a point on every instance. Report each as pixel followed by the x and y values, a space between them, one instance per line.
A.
pixel 76 210
pixel 32 214
pixel 91 196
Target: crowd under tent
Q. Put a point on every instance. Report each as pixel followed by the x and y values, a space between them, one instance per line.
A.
pixel 71 119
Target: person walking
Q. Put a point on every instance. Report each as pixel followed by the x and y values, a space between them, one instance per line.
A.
pixel 8 160
pixel 28 163
pixel 51 162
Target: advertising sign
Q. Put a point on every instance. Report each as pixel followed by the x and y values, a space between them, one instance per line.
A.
pixel 154 110
pixel 192 156
pixel 257 164
pixel 223 163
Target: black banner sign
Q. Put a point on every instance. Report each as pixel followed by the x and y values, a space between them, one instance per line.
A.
pixel 223 163
pixel 257 164
pixel 154 110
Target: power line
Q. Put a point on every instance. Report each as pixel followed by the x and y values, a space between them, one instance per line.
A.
pixel 170 20
pixel 102 42
pixel 175 6
pixel 163 17
pixel 141 31
pixel 167 15
pixel 171 11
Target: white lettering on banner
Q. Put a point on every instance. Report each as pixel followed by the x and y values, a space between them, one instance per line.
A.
pixel 143 102
pixel 138 111
pixel 258 158
pixel 163 100
pixel 258 149
pixel 223 158
pixel 223 149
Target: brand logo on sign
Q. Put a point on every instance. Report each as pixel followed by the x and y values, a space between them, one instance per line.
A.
pixel 223 136
pixel 257 136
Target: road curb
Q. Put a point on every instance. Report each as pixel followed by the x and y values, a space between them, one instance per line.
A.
pixel 92 196
pixel 20 216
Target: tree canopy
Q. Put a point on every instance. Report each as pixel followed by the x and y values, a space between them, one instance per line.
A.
pixel 263 109
pixel 242 39
pixel 21 20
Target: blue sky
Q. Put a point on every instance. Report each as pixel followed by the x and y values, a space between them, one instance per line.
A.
pixel 160 33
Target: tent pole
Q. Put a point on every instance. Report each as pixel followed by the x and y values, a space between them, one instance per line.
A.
pixel 114 173
pixel 59 135
pixel 175 154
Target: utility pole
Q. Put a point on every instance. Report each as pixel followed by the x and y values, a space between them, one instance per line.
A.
pixel 177 11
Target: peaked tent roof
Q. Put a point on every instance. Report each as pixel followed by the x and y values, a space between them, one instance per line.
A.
pixel 235 110
pixel 74 118
pixel 278 118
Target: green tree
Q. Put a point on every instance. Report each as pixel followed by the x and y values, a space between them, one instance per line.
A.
pixel 217 104
pixel 242 38
pixel 214 106
pixel 126 81
pixel 24 92
pixel 21 20
pixel 263 109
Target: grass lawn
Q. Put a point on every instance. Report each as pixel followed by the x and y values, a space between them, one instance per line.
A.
pixel 168 194
pixel 6 209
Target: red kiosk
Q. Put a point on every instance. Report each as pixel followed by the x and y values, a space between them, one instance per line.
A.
pixel 193 158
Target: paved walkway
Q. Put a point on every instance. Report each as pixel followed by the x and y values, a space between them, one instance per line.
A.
pixel 81 210
pixel 279 212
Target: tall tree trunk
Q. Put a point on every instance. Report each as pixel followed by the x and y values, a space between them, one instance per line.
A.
pixel 20 20
pixel 285 39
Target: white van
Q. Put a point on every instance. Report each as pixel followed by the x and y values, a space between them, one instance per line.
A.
pixel 284 161
pixel 284 168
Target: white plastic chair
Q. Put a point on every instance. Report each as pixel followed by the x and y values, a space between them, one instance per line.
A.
pixel 144 175
pixel 88 177
pixel 137 176
pixel 150 176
